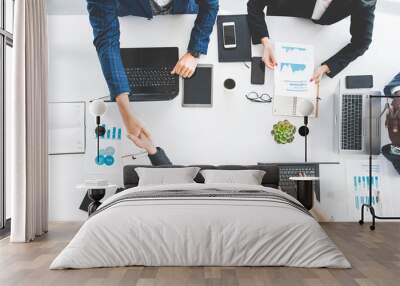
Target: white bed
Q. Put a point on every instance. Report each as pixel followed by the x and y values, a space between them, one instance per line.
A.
pixel 185 230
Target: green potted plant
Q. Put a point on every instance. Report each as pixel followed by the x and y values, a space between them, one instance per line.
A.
pixel 283 132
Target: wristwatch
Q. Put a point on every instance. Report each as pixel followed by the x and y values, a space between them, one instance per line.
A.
pixel 195 54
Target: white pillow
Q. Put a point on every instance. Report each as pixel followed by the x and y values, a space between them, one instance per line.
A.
pixel 166 176
pixel 247 177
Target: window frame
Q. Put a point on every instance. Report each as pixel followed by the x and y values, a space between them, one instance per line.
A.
pixel 6 39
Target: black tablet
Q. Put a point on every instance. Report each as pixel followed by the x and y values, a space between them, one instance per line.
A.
pixel 197 90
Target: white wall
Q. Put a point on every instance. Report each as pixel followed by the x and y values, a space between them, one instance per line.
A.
pixel 234 131
pixel 62 7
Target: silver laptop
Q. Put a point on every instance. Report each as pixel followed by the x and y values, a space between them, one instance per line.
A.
pixel 351 120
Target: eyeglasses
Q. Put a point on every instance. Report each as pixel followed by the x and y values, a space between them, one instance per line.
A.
pixel 259 98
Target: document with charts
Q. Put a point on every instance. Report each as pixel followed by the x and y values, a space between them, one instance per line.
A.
pixel 292 78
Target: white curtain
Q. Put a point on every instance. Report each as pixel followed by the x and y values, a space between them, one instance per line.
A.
pixel 26 135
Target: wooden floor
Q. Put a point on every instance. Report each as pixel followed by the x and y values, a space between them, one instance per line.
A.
pixel 375 257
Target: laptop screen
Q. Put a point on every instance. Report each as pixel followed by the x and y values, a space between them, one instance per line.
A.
pixel 149 57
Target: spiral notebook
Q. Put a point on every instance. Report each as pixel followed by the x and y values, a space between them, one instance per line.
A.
pixel 287 106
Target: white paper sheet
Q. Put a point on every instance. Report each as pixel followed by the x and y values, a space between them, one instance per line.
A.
pixel 358 185
pixel 294 70
pixel 292 78
pixel 66 127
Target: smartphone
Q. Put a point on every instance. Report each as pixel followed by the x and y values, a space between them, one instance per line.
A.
pixel 229 35
pixel 359 81
pixel 257 71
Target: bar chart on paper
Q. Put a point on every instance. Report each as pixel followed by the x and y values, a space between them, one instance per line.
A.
pixel 292 79
pixel 111 145
pixel 294 52
pixel 361 191
pixel 296 65
pixel 112 133
pixel 293 69
pixel 359 183
pixel 297 73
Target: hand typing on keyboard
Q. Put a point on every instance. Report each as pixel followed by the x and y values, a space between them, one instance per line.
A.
pixel 186 66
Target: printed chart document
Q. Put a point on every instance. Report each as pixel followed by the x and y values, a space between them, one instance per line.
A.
pixel 292 78
pixel 108 162
pixel 358 188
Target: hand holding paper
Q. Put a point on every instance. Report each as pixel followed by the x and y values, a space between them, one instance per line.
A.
pixel 268 54
pixel 319 73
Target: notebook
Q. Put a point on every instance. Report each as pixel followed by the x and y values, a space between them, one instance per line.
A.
pixel 288 106
pixel 242 52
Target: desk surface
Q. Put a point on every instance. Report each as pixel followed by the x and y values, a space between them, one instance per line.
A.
pixel 234 130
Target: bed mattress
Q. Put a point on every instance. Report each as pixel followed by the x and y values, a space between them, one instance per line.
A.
pixel 201 225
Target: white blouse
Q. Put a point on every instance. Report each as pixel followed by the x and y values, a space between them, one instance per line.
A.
pixel 162 3
pixel 320 8
pixel 395 89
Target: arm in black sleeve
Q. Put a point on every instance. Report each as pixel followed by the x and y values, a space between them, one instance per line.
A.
pixel 361 28
pixel 256 19
pixel 159 158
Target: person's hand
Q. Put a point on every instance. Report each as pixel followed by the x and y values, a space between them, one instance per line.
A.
pixel 135 127
pixel 319 73
pixel 268 54
pixel 186 66
pixel 132 124
pixel 144 142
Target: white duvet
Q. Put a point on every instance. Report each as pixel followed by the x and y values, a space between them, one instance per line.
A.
pixel 192 231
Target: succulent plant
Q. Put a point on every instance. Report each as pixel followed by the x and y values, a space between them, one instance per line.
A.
pixel 283 132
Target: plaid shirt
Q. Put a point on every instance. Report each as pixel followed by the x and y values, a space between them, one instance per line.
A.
pixel 103 16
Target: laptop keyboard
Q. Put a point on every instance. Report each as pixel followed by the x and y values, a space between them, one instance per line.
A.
pixel 150 77
pixel 293 170
pixel 351 137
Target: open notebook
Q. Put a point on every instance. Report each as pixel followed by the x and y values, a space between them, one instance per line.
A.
pixel 292 79
pixel 288 106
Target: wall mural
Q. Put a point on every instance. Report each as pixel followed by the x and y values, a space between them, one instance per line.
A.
pixel 111 144
pixel 106 157
pixel 358 184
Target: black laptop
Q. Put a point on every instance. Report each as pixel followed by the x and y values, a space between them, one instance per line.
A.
pixel 149 73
